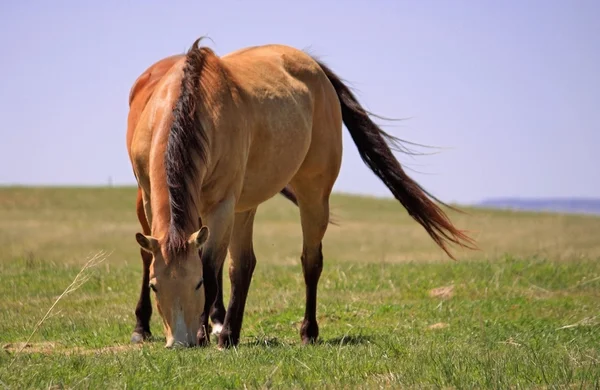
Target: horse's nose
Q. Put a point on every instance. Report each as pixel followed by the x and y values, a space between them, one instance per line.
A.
pixel 171 343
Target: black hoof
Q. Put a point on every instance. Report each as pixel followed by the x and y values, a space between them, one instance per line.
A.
pixel 309 332
pixel 138 337
pixel 228 339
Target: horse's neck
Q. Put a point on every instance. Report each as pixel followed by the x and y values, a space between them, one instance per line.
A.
pixel 159 200
pixel 160 219
pixel 161 211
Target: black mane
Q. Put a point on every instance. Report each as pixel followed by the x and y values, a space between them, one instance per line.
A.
pixel 187 143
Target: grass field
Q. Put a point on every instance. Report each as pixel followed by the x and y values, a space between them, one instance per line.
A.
pixel 524 312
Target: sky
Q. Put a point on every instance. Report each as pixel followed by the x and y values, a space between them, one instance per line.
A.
pixel 508 91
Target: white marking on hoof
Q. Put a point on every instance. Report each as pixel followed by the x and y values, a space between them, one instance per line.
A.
pixel 216 329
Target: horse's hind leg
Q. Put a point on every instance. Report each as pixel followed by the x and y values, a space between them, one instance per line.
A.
pixel 313 200
pixel 143 310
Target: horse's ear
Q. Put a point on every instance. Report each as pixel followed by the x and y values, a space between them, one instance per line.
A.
pixel 148 243
pixel 199 238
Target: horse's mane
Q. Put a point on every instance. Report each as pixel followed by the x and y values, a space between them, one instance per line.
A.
pixel 187 145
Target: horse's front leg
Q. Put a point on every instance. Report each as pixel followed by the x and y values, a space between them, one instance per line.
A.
pixel 241 268
pixel 220 223
pixel 143 309
pixel 217 314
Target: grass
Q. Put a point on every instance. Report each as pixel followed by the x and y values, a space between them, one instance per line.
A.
pixel 524 312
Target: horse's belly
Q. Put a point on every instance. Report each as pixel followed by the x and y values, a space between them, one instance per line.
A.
pixel 272 164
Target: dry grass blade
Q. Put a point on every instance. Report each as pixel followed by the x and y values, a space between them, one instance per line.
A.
pixel 77 282
pixel 587 321
pixel 583 283
pixel 445 292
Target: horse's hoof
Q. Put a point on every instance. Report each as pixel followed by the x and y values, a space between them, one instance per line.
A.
pixel 137 338
pixel 309 340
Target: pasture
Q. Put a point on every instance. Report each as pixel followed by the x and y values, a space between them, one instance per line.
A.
pixel 393 310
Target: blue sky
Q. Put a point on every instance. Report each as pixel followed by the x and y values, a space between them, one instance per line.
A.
pixel 509 89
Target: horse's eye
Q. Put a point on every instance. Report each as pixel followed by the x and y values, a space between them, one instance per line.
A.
pixel 152 286
pixel 199 283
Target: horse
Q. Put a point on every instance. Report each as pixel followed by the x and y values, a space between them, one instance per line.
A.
pixel 210 140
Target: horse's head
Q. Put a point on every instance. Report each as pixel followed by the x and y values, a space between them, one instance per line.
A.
pixel 178 286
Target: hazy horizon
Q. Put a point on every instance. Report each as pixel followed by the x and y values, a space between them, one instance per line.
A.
pixel 509 90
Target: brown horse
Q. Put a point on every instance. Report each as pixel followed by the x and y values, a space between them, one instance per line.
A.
pixel 212 138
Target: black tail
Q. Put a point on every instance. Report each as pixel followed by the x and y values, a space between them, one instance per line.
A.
pixel 372 144
pixel 288 193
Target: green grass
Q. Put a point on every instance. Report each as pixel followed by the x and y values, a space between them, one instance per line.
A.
pixel 524 312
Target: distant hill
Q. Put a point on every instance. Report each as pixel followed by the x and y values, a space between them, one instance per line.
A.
pixel 563 205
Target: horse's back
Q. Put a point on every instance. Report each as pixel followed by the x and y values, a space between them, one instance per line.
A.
pixel 273 65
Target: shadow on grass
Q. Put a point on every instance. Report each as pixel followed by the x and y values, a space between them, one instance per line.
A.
pixel 359 339
pixel 269 342
pixel 154 340
pixel 273 342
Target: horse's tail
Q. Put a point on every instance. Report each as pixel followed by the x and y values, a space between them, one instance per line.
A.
pixel 372 144
pixel 289 194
